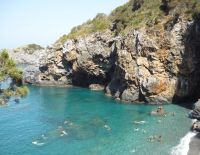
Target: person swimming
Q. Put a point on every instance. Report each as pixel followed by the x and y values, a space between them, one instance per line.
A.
pixel 157 138
pixel 63 133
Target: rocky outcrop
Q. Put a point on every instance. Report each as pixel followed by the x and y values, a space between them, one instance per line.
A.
pixel 29 58
pixel 29 55
pixel 196 126
pixel 195 113
pixel 3 101
pixel 155 64
pixel 81 62
pixel 137 4
pixel 96 87
pixel 145 65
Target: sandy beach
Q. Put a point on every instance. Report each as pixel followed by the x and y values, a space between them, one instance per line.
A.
pixel 195 145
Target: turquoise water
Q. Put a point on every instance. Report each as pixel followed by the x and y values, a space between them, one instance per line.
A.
pixel 77 121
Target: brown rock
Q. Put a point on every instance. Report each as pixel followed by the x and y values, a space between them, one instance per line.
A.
pixel 96 87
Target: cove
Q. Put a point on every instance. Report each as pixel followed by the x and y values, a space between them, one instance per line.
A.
pixel 74 121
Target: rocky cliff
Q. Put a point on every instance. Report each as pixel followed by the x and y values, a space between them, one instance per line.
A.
pixel 155 63
pixel 29 58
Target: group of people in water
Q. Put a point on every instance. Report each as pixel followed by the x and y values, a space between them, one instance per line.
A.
pixel 159 111
pixel 60 131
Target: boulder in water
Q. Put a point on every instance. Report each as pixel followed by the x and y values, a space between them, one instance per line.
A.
pixel 3 101
pixel 195 113
pixel 17 100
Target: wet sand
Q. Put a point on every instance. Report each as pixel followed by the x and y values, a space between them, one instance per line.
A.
pixel 195 145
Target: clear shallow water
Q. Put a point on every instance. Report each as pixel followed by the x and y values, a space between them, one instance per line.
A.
pixel 77 121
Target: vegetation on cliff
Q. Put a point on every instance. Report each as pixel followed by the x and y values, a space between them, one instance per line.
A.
pixel 100 23
pixel 136 14
pixel 30 48
pixel 8 70
pixel 148 53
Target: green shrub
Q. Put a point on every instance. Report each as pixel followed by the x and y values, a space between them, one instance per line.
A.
pixel 4 55
pixel 124 18
pixel 98 24
pixel 22 91
pixel 8 93
pixel 8 69
pixel 16 74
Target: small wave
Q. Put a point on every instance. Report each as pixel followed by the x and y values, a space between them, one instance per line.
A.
pixel 37 143
pixel 139 122
pixel 183 147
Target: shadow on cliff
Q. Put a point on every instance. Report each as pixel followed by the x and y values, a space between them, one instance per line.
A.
pixel 188 85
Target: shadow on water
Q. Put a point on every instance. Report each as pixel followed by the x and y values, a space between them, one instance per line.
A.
pixel 187 90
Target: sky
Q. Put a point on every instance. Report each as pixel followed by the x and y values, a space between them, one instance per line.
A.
pixel 44 21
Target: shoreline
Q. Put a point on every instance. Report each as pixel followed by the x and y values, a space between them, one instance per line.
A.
pixel 194 146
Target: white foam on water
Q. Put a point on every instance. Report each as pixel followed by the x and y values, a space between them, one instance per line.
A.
pixel 37 143
pixel 194 120
pixel 139 122
pixel 183 147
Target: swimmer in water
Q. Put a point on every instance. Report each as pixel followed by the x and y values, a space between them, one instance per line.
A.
pixel 107 127
pixel 37 143
pixel 63 133
pixel 65 122
pixel 44 137
pixel 139 122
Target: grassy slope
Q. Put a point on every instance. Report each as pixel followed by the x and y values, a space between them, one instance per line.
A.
pixel 125 19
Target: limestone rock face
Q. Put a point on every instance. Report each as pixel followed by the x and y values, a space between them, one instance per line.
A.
pixel 144 65
pixel 90 58
pixel 28 55
pixel 195 114
pixel 146 70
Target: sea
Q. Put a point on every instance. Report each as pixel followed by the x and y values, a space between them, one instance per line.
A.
pixel 78 121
